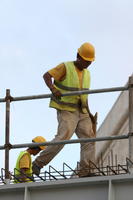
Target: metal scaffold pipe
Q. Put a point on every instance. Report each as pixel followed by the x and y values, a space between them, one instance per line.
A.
pixel 7 132
pixel 8 99
pixel 84 140
pixel 131 121
pixel 81 92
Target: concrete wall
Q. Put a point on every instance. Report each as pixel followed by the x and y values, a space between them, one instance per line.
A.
pixel 116 123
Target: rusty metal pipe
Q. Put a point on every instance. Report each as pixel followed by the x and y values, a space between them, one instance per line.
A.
pixel 131 118
pixel 7 132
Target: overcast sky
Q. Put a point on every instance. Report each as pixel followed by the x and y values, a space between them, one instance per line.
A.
pixel 35 36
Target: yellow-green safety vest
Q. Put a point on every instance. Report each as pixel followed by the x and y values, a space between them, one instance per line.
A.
pixel 71 83
pixel 17 168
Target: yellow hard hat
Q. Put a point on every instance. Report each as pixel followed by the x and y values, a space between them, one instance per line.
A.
pixel 40 139
pixel 87 51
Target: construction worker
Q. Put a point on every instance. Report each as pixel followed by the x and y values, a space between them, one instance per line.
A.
pixel 72 111
pixel 23 169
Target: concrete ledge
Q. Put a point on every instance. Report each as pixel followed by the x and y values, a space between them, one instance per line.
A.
pixel 93 188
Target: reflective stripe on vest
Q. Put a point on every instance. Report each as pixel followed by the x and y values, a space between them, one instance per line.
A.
pixel 71 83
pixel 17 172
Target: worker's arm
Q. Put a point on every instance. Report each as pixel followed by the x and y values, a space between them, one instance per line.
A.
pixel 48 80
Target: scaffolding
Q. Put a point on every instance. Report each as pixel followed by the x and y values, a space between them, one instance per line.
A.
pixel 127 168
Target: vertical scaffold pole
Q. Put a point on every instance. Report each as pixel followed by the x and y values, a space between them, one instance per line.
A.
pixel 131 122
pixel 7 132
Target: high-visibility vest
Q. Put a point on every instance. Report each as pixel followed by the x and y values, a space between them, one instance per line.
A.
pixel 17 169
pixel 71 83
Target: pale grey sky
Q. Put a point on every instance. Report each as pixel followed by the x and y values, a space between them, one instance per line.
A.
pixel 36 36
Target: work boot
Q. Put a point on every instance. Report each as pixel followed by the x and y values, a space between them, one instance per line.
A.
pixel 36 169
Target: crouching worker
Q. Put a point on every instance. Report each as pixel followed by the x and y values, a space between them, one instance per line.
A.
pixel 23 170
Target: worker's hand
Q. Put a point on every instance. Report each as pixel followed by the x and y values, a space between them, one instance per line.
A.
pixel 56 93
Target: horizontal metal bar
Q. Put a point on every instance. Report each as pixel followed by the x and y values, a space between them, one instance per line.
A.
pixel 43 96
pixel 83 140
